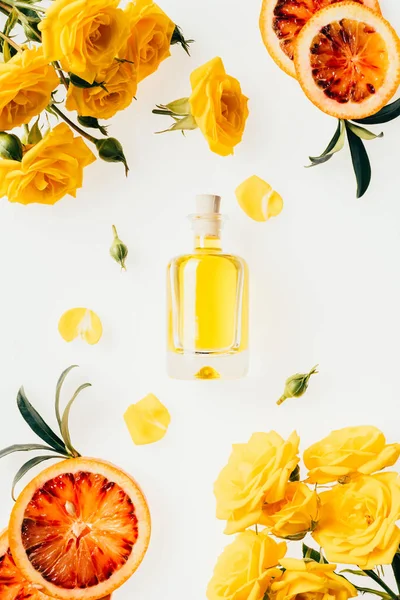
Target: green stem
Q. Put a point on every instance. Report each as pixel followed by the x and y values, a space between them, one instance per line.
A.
pixel 115 231
pixel 10 42
pixel 60 72
pixel 73 125
pixel 380 582
pixel 396 569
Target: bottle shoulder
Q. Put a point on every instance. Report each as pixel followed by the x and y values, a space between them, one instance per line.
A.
pixel 207 256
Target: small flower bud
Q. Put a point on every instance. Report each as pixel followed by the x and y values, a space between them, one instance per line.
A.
pixel 92 123
pixel 297 385
pixel 110 150
pixel 10 146
pixel 118 250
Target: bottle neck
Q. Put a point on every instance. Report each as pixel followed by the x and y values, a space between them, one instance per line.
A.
pixel 207 231
pixel 207 242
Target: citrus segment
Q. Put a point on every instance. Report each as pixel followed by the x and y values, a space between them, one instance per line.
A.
pixel 281 22
pixel 147 420
pixel 258 200
pixel 347 60
pixel 13 586
pixel 79 529
pixel 80 322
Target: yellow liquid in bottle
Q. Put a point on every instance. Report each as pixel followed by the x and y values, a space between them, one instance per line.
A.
pixel 208 302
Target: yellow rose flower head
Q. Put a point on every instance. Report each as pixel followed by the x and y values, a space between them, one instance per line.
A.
pixel 357 521
pixel 48 171
pixel 104 102
pixel 147 420
pixel 294 515
pixel 150 33
pixel 258 200
pixel 26 83
pixel 308 580
pixel 256 473
pixel 246 568
pixel 84 36
pixel 80 322
pixel 349 451
pixel 218 106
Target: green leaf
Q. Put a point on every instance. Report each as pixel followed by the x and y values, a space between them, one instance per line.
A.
pixel 355 572
pixel 23 448
pixel 28 466
pixel 366 590
pixel 81 83
pixel 65 418
pixel 363 133
pixel 179 38
pixel 335 145
pixel 313 554
pixel 92 123
pixel 8 50
pixel 58 392
pixel 38 425
pixel 295 475
pixel 361 164
pixel 30 24
pixel 386 114
pixel 10 146
pixel 396 569
pixel 35 135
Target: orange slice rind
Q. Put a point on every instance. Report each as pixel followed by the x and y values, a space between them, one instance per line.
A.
pixel 147 420
pixel 258 200
pixel 79 530
pixel 347 60
pixel 82 323
pixel 281 22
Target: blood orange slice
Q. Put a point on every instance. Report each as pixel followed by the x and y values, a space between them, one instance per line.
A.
pixel 13 585
pixel 347 60
pixel 79 529
pixel 281 22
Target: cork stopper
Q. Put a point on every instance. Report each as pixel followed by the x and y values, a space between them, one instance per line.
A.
pixel 208 204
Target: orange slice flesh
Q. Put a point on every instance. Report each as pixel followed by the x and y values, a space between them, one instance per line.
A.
pixel 347 60
pixel 79 529
pixel 282 20
pixel 13 585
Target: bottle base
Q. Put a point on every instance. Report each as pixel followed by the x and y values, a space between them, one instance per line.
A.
pixel 207 366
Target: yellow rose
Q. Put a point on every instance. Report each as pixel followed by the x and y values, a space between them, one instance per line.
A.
pixel 246 568
pixel 150 33
pixel 294 515
pixel 257 472
pixel 357 521
pixel 84 36
pixel 349 451
pixel 48 171
pixel 218 106
pixel 308 580
pixel 118 92
pixel 26 83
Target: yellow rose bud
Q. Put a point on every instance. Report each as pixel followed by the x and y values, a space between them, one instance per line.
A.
pixel 48 171
pixel 26 83
pixel 218 106
pixel 257 473
pixel 294 516
pixel 348 452
pixel 150 33
pixel 357 521
pixel 103 102
pixel 246 568
pixel 84 36
pixel 308 580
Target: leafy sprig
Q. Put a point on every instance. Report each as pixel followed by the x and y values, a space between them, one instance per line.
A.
pixel 356 136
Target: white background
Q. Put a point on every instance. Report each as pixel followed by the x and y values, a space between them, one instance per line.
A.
pixel 324 289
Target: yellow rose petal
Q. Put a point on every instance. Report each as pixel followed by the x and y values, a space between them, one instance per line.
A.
pixel 258 200
pixel 80 322
pixel 147 420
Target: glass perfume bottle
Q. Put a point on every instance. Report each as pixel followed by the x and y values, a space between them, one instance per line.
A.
pixel 208 304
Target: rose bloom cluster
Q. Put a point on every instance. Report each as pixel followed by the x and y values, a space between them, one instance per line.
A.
pixel 101 53
pixel 346 503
